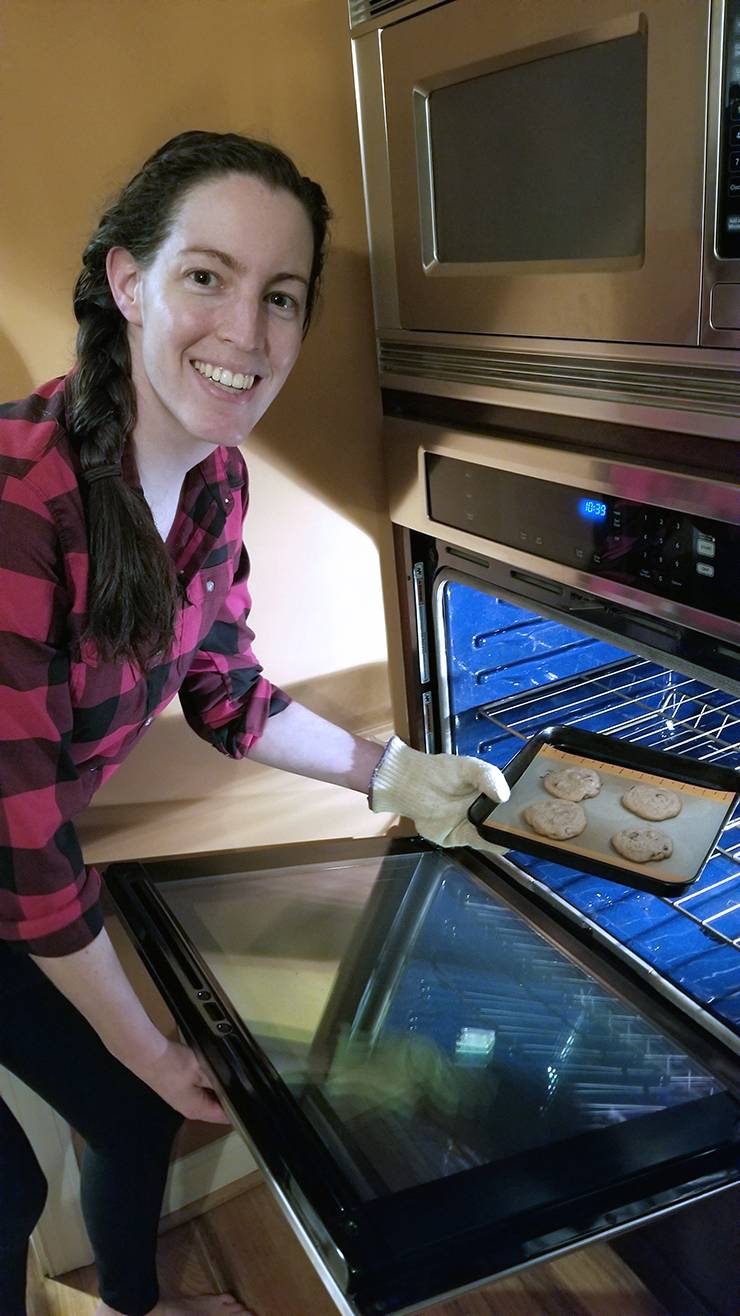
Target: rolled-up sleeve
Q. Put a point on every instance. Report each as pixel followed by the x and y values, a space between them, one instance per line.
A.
pixel 48 898
pixel 225 697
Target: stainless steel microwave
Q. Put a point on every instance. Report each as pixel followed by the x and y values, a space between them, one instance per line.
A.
pixel 555 170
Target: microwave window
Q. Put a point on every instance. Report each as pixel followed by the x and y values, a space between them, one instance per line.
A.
pixel 543 161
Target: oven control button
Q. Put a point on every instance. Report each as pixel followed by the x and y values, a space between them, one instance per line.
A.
pixel 735 110
pixel 734 161
pixel 733 185
pixel 705 546
pixel 705 569
pixel 735 134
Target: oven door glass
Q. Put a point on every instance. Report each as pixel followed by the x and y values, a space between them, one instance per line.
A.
pixel 440 1084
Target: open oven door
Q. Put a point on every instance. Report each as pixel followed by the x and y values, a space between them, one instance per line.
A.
pixel 441 1081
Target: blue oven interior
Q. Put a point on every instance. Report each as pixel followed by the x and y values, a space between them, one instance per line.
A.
pixel 510 673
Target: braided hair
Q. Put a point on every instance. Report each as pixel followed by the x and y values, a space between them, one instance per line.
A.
pixel 132 590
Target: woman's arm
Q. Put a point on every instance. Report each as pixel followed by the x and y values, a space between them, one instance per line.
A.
pixel 94 981
pixel 300 741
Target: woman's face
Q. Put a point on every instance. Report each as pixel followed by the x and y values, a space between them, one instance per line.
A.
pixel 224 299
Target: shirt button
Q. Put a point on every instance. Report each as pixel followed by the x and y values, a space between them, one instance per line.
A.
pixel 148 721
pixel 210 586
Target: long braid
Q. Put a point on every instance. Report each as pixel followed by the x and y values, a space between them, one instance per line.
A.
pixel 132 587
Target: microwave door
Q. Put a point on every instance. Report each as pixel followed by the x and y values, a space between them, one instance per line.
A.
pixel 441 1083
pixel 532 158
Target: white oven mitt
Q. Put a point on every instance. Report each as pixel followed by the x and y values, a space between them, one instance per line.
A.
pixel 435 791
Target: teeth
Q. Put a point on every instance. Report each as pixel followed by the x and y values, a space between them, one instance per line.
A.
pixel 226 378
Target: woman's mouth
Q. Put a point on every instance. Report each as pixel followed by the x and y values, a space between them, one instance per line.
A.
pixel 228 380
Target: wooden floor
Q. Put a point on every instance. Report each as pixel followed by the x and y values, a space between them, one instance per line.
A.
pixel 245 1246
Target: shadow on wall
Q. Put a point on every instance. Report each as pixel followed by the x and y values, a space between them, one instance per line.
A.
pixel 177 765
pixel 15 377
pixel 324 429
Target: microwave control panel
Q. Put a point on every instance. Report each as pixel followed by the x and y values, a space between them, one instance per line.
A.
pixel 728 199
pixel 677 555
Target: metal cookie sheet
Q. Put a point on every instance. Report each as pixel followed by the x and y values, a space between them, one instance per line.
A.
pixel 707 797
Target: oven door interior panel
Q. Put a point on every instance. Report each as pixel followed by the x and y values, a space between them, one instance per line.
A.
pixel 442 1082
pixel 507 667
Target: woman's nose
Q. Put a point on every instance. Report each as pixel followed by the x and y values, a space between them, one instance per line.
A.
pixel 244 324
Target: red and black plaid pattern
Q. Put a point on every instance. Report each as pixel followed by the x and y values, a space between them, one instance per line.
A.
pixel 68 718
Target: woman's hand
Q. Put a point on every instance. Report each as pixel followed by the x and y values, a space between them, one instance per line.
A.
pixel 178 1078
pixel 435 791
pixel 94 981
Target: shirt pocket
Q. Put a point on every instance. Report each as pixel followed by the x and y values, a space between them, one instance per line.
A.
pixel 205 600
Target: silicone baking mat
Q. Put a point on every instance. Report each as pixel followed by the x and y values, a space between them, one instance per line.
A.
pixel 693 830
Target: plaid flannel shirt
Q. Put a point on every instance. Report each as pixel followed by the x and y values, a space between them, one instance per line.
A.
pixel 68 718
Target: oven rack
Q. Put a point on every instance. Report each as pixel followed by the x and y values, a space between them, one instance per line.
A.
pixel 637 701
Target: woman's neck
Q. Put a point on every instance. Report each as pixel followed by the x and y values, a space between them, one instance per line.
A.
pixel 161 476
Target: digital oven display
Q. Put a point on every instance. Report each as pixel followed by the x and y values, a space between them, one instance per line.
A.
pixel 658 549
pixel 592 509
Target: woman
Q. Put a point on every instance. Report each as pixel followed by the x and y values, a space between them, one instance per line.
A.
pixel 123 581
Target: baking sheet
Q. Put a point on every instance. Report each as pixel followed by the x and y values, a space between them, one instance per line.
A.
pixel 692 831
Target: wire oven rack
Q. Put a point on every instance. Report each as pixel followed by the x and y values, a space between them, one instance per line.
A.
pixel 560 675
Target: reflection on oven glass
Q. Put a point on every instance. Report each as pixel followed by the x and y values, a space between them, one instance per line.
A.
pixel 423 1025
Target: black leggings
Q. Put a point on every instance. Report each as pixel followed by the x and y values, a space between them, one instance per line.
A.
pixel 128 1132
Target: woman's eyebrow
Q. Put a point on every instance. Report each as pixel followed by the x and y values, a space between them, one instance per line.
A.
pixel 232 263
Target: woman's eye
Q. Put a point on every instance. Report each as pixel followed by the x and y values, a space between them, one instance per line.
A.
pixel 203 278
pixel 283 302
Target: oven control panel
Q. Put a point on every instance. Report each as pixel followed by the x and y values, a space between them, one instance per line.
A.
pixel 677 555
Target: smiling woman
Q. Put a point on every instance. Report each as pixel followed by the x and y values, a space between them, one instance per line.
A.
pixel 123 582
pixel 212 254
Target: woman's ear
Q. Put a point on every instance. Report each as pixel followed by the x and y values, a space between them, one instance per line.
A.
pixel 124 279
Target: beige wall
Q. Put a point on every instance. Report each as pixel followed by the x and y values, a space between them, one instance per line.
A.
pixel 87 89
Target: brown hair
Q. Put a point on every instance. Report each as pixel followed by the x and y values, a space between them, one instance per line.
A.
pixel 132 588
